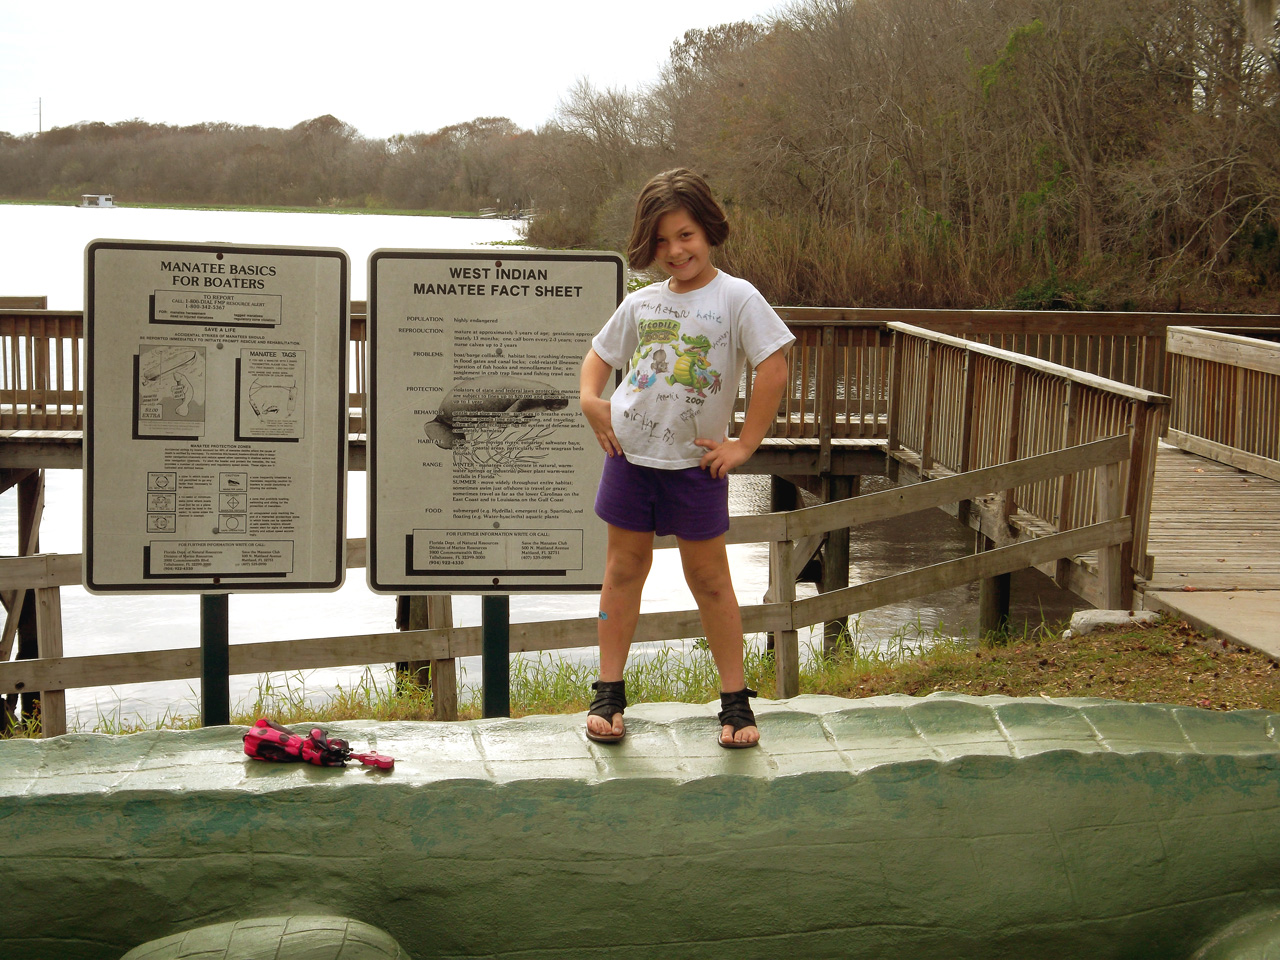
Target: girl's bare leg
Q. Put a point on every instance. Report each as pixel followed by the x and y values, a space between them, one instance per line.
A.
pixel 706 570
pixel 628 557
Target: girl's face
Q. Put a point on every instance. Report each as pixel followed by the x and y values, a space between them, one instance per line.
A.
pixel 683 252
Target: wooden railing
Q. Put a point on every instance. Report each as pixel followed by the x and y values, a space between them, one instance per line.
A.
pixel 839 380
pixel 42 372
pixel 839 366
pixel 1128 347
pixel 959 406
pixel 784 617
pixel 1226 396
pixel 1051 465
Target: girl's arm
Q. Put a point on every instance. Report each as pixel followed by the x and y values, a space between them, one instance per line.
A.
pixel 595 374
pixel 766 393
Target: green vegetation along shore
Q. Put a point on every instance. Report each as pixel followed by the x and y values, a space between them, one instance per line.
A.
pixel 1031 154
pixel 1168 662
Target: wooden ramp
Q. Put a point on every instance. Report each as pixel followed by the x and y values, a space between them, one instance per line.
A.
pixel 1213 527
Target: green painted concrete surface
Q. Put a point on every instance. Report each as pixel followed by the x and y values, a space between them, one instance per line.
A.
pixel 1255 937
pixel 947 826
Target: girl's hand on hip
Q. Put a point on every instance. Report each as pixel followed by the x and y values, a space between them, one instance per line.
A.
pixel 722 455
pixel 598 412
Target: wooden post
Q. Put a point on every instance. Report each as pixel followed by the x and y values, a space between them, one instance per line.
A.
pixel 433 612
pixel 994 592
pixel 14 601
pixel 786 648
pixel 444 673
pixel 826 410
pixel 927 408
pixel 968 403
pixel 26 613
pixel 495 666
pixel 894 427
pixel 53 703
pixel 968 396
pixel 1148 424
pixel 1111 567
pixel 783 496
pixel 1154 361
pixel 215 659
pixel 1067 490
pixel 993 597
pixel 835 569
pixel 1240 419
pixel 1015 427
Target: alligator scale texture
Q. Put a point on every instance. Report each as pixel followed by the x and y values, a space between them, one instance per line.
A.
pixel 947 826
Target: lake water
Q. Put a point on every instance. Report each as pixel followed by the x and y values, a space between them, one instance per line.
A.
pixel 42 253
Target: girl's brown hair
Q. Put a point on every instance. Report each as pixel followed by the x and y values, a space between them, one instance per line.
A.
pixel 678 189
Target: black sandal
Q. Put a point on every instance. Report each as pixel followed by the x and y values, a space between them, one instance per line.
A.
pixel 735 711
pixel 611 698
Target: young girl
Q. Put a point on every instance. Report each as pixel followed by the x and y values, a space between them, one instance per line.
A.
pixel 664 431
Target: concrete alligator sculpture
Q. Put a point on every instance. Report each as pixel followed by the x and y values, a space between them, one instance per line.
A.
pixel 947 826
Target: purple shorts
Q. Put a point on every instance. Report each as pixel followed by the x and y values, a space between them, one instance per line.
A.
pixel 689 503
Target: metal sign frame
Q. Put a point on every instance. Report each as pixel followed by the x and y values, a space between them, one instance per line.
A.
pixel 481 469
pixel 215 442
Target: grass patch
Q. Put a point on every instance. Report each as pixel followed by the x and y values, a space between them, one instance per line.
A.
pixel 1168 662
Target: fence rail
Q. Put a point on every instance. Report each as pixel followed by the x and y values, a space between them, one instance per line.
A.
pixel 960 406
pixel 1050 464
pixel 1127 347
pixel 784 617
pixel 839 366
pixel 1226 396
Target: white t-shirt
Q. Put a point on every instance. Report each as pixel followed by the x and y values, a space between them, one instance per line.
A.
pixel 686 353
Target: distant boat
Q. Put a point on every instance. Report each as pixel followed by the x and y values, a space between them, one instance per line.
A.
pixel 515 213
pixel 98 200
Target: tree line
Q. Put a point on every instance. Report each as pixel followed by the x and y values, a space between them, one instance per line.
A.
pixel 1088 153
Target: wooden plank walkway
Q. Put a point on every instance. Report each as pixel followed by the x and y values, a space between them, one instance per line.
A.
pixel 1213 527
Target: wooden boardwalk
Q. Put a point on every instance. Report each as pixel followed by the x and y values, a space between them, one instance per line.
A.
pixel 1213 527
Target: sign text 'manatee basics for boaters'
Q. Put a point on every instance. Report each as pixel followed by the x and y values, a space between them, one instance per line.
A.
pixel 236 276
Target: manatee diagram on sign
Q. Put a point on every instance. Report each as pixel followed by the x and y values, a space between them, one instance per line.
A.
pixel 496 419
pixel 171 389
pixel 273 398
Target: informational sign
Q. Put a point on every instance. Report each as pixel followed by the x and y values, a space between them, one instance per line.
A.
pixel 482 471
pixel 215 450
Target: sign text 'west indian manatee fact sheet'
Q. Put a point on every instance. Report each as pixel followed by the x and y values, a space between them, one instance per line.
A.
pixel 482 470
pixel 216 417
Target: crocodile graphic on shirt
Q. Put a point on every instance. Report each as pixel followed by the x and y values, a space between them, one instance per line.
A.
pixel 692 368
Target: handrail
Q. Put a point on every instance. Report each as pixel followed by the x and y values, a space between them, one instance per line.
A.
pixel 1225 384
pixel 1124 346
pixel 779 529
pixel 943 406
pixel 1034 363
pixel 958 406
pixel 839 366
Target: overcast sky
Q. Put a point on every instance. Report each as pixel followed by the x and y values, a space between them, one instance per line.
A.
pixel 384 66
